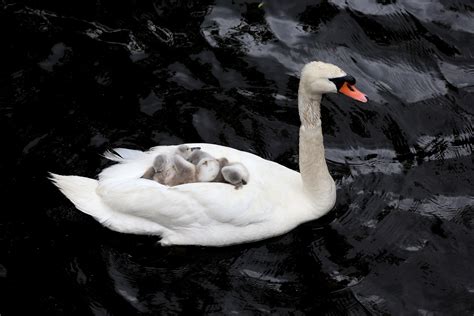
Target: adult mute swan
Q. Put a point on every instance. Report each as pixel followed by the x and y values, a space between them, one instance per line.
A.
pixel 275 200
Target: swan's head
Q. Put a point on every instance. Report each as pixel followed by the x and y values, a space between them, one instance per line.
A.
pixel 318 78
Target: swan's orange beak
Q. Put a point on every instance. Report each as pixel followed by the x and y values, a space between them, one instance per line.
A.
pixel 351 91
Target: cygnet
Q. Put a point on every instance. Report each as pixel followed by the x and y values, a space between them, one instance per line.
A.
pixel 236 174
pixel 233 173
pixel 207 167
pixel 171 170
pixel 185 151
pixel 199 155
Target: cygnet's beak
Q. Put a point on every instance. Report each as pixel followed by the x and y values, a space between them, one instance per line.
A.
pixel 195 148
pixel 351 91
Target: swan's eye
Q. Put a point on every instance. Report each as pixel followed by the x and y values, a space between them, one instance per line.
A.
pixel 339 81
pixel 350 80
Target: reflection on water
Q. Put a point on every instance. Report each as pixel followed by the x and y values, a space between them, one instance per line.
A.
pixel 79 78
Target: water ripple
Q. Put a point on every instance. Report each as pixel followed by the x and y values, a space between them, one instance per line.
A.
pixel 78 78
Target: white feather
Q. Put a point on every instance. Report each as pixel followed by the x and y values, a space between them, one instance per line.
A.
pixel 122 154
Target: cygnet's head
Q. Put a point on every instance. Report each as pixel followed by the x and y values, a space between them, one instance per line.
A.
pixel 318 78
pixel 161 163
pixel 185 151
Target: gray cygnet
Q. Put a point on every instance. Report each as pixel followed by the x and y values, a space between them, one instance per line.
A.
pixel 208 167
pixel 185 151
pixel 234 173
pixel 171 171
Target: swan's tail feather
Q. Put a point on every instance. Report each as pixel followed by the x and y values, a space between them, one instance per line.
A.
pixel 108 154
pixel 82 193
pixel 123 154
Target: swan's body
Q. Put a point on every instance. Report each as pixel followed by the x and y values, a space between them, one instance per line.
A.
pixel 274 201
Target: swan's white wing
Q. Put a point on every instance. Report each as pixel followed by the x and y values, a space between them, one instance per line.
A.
pixel 195 213
pixel 226 205
pixel 203 213
pixel 121 188
pixel 148 199
pixel 190 205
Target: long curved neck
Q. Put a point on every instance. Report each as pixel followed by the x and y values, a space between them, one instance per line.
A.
pixel 317 181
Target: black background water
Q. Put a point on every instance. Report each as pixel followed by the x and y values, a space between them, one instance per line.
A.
pixel 77 78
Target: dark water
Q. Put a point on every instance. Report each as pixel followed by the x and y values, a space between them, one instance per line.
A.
pixel 77 78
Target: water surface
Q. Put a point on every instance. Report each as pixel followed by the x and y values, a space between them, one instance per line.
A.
pixel 79 78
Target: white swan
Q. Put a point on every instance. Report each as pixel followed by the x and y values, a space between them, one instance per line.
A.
pixel 275 200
